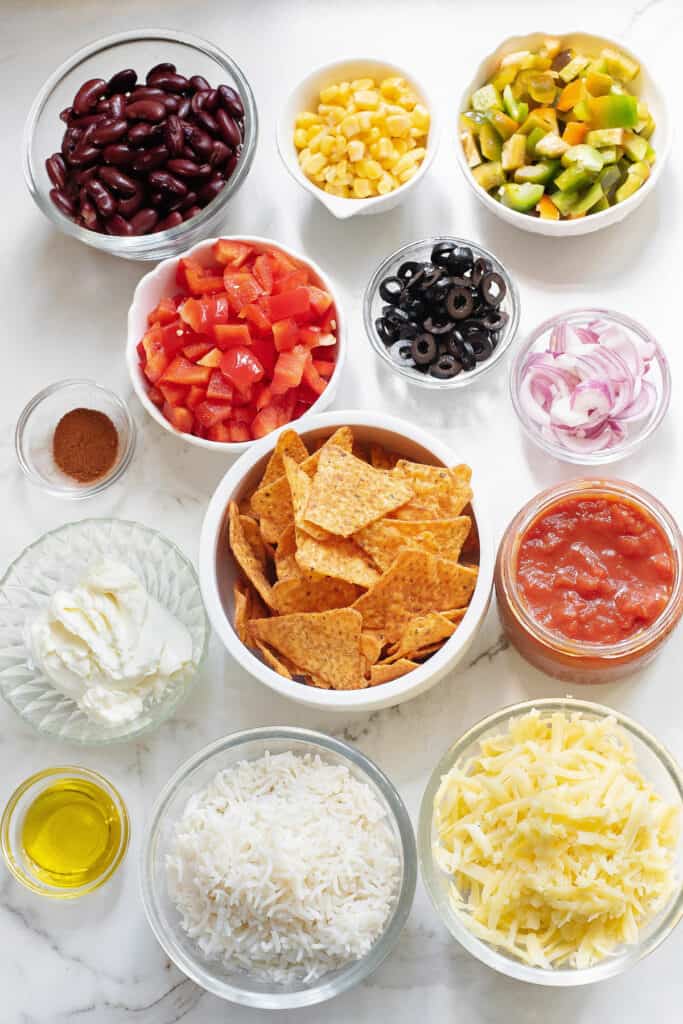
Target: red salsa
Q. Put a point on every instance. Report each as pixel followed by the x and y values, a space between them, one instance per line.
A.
pixel 595 569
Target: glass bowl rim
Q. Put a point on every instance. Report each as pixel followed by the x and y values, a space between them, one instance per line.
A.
pixel 467 377
pixel 352 973
pixel 99 485
pixel 629 445
pixel 158 720
pixel 483 951
pixel 63 770
pixel 136 246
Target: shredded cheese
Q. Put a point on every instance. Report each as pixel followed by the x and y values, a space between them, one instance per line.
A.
pixel 557 848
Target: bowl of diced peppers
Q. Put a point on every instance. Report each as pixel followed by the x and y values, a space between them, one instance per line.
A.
pixel 233 340
pixel 562 135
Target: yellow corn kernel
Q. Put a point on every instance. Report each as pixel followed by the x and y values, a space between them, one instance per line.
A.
pixel 327 144
pixel 420 117
pixel 314 142
pixel 350 126
pixel 300 138
pixel 364 120
pixel 330 173
pixel 391 87
pixel 355 150
pixel 344 91
pixel 330 94
pixel 306 119
pixel 304 155
pixel 408 99
pixel 333 115
pixel 338 190
pixel 372 170
pixel 366 99
pixel 401 146
pixel 374 134
pixel 359 84
pixel 408 160
pixel 361 188
pixel 398 125
pixel 385 149
pixel 339 148
pixel 407 174
pixel 387 183
pixel 314 164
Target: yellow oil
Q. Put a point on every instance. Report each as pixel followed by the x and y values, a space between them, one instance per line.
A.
pixel 71 833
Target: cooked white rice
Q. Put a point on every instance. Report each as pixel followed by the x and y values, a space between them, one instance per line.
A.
pixel 285 866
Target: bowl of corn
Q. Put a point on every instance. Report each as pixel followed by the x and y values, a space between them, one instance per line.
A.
pixel 358 134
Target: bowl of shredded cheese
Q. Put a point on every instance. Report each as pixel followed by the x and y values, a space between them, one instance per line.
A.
pixel 550 842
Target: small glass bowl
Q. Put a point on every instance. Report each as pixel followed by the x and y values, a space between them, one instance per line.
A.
pixel 421 251
pixel 238 986
pixel 60 559
pixel 20 865
pixel 636 432
pixel 36 426
pixel 658 767
pixel 140 49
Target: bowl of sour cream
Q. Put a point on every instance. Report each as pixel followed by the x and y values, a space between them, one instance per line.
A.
pixel 102 631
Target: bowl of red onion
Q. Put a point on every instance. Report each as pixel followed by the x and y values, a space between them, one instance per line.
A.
pixel 590 386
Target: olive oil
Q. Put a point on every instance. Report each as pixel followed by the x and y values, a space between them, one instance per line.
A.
pixel 71 833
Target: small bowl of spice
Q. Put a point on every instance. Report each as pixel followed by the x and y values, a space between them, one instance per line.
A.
pixel 75 438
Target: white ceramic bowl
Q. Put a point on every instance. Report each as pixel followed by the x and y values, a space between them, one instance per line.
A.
pixel 160 282
pixel 217 571
pixel 305 97
pixel 642 86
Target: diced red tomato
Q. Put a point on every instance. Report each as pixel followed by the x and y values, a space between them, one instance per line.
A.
pixel 279 412
pixel 289 369
pixel 244 413
pixel 176 335
pixel 324 368
pixel 282 264
pixel 174 394
pixel 210 413
pixel 291 280
pixel 320 300
pixel 201 314
pixel 241 367
pixel 198 279
pixel 313 337
pixel 221 432
pixel 196 350
pixel 315 381
pixel 265 352
pixel 230 253
pixel 182 371
pixel 256 317
pixel 290 303
pixel 165 312
pixel 263 271
pixel 156 359
pixel 264 397
pixel 195 395
pixel 285 334
pixel 241 288
pixel 219 389
pixel 155 396
pixel 229 335
pixel 212 358
pixel 179 416
pixel 244 397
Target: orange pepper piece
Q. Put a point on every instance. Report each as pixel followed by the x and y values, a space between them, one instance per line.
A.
pixel 575 132
pixel 547 209
pixel 571 94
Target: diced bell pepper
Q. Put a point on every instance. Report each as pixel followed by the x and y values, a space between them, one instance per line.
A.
pixel 598 84
pixel 600 137
pixel 521 198
pixel 537 174
pixel 587 157
pixel 613 111
pixel 504 125
pixel 487 98
pixel 635 147
pixel 551 145
pixel 573 178
pixel 574 68
pixel 489 176
pixel 571 95
pixel 547 209
pixel 619 65
pixel 514 152
pixel 470 148
pixel 489 142
pixel 588 200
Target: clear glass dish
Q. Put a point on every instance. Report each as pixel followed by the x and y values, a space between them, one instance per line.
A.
pixel 658 767
pixel 12 821
pixel 421 251
pixel 637 431
pixel 36 426
pixel 140 49
pixel 60 559
pixel 195 774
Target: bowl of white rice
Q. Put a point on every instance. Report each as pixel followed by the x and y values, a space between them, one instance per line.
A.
pixel 279 867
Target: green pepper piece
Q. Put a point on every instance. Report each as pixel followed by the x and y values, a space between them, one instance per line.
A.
pixel 489 142
pixel 597 83
pixel 611 155
pixel 602 204
pixel 613 111
pixel 532 141
pixel 472 120
pixel 588 200
pixel 564 201
pixel 521 198
pixel 650 156
pixel 487 98
pixel 648 128
pixel 514 152
pixel 629 188
pixel 551 145
pixel 640 169
pixel 585 156
pixel 610 178
pixel 619 65
pixel 605 137
pixel 597 67
pixel 574 178
pixel 573 69
pixel 517 110
pixel 581 112
pixel 635 147
pixel 537 174
pixel 489 176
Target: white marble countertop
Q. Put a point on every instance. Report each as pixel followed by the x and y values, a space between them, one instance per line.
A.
pixel 96 962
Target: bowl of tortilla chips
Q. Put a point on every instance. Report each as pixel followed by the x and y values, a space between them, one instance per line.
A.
pixel 347 566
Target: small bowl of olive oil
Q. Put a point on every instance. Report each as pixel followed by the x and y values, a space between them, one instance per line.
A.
pixel 64 832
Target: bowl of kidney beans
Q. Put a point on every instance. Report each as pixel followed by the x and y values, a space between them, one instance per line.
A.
pixel 136 144
pixel 441 312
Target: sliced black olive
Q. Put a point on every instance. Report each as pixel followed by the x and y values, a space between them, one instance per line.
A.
pixel 445 367
pixel 460 303
pixel 441 253
pixel 461 281
pixel 493 288
pixel 460 260
pixel 386 332
pixel 396 316
pixel 481 343
pixel 402 353
pixel 438 293
pixel 415 282
pixel 466 355
pixel 432 275
pixel 424 349
pixel 409 331
pixel 408 270
pixel 390 289
pixel 481 267
pixel 437 326
pixel 494 320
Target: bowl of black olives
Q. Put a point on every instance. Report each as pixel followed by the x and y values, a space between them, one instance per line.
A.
pixel 441 311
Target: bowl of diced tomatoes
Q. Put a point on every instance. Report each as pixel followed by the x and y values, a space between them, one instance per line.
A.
pixel 232 340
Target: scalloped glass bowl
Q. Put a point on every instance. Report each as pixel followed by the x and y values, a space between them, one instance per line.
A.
pixel 657 766
pixel 60 559
pixel 140 49
pixel 637 431
pixel 239 986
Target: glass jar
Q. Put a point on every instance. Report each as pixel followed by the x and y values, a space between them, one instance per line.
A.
pixel 580 661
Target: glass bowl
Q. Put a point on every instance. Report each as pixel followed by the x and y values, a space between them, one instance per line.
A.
pixel 36 426
pixel 637 431
pixel 657 766
pixel 195 774
pixel 16 859
pixel 140 49
pixel 60 559
pixel 372 307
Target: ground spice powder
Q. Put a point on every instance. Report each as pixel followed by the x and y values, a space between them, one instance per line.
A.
pixel 85 444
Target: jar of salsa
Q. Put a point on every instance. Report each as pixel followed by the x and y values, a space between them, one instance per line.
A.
pixel 589 579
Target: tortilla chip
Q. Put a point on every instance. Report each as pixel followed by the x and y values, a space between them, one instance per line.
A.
pixel 385 673
pixel 300 490
pixel 440 493
pixel 347 493
pixel 239 593
pixel 272 503
pixel 454 614
pixel 416 583
pixel 272 661
pixel 312 594
pixel 385 539
pixel 290 444
pixel 339 557
pixel 325 645
pixel 380 458
pixel 371 645
pixel 286 565
pixel 253 536
pixel 245 556
pixel 422 631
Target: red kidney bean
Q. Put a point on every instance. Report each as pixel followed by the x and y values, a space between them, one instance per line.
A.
pixel 165 182
pixel 157 199
pixel 102 197
pixel 108 131
pixel 56 170
pixel 103 107
pixel 210 190
pixel 231 100
pixel 184 108
pixel 227 128
pixel 150 160
pixel 66 114
pixel 88 95
pixel 192 212
pixel 173 135
pixel 63 203
pixel 117 225
pixel 144 221
pixel 144 92
pixel 212 100
pixel 198 101
pixel 168 80
pixel 89 121
pixel 171 103
pixel 189 200
pixel 85 175
pixel 199 83
pixel 158 68
pixel 84 155
pixel 145 110
pixel 88 214
pixel 172 221
pixel 118 154
pixel 219 153
pixel 184 168
pixel 230 166
pixel 200 142
pixel 207 121
pixel 122 81
pixel 129 207
pixel 117 106
pixel 118 181
pixel 140 135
